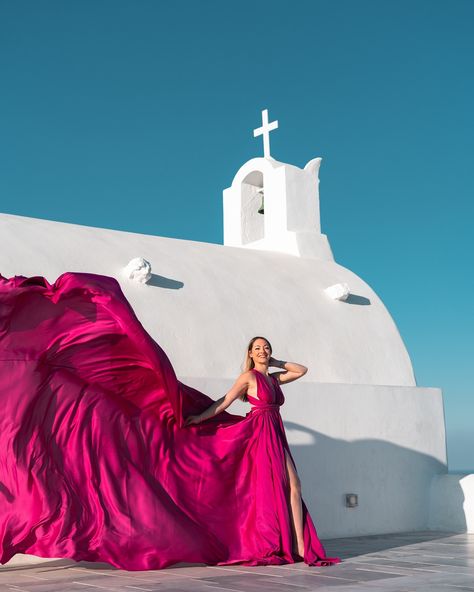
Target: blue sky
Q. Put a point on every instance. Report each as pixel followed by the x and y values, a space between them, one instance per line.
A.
pixel 136 115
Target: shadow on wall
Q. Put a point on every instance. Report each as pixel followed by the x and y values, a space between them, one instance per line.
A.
pixel 393 484
pixel 356 299
pixel 452 502
pixel 160 281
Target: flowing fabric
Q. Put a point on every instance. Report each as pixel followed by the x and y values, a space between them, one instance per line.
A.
pixel 96 463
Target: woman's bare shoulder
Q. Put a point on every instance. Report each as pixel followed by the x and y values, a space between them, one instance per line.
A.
pixel 248 375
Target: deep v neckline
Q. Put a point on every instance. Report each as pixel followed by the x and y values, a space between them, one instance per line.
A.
pixel 271 387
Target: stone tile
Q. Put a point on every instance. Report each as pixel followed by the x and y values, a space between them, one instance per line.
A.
pixel 254 583
pixel 401 562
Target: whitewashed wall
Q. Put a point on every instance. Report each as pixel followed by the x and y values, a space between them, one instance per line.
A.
pixel 452 502
pixel 356 421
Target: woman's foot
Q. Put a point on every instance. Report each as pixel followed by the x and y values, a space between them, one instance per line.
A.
pixel 298 554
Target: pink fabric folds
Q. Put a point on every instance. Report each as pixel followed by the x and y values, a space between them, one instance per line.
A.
pixel 95 461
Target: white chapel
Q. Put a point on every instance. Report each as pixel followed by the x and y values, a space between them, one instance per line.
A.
pixel 357 422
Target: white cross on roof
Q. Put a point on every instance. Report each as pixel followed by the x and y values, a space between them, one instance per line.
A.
pixel 265 132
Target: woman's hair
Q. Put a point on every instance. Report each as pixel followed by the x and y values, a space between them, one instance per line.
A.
pixel 248 361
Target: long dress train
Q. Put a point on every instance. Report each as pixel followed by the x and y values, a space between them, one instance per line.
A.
pixel 95 461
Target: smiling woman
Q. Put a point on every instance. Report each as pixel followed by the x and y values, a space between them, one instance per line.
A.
pixel 255 385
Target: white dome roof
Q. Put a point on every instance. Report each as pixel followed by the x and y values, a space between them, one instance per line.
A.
pixel 204 301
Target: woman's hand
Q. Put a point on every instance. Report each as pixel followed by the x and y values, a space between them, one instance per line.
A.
pixel 192 419
pixel 273 362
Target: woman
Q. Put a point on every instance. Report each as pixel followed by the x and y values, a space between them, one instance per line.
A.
pixel 96 460
pixel 258 359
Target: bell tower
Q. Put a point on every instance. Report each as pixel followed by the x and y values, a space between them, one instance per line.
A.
pixel 275 206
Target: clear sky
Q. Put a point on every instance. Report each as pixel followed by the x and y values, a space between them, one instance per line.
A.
pixel 135 115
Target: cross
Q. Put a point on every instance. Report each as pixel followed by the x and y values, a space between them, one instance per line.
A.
pixel 265 132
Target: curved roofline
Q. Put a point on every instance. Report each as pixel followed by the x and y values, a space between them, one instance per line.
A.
pixel 264 165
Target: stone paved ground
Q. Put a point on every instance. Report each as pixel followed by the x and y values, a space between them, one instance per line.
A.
pixel 403 562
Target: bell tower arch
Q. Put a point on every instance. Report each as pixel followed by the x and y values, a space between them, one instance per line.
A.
pixel 251 199
pixel 275 206
pixel 290 220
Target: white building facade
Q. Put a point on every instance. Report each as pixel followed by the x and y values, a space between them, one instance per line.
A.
pixel 357 422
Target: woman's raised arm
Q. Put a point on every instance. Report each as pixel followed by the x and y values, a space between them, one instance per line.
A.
pixel 293 370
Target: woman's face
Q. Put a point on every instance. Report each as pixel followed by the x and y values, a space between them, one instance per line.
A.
pixel 260 351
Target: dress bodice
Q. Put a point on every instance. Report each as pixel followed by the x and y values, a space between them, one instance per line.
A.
pixel 269 397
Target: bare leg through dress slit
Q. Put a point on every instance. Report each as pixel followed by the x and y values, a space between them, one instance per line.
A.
pixel 296 509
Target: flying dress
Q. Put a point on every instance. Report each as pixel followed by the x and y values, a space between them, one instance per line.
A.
pixel 96 463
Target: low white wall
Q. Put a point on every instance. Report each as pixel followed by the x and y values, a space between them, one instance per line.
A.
pixel 387 444
pixel 384 443
pixel 452 503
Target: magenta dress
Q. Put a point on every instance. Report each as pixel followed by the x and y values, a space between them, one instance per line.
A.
pixel 95 461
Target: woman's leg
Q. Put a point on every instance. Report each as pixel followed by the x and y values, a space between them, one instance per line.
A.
pixel 296 506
